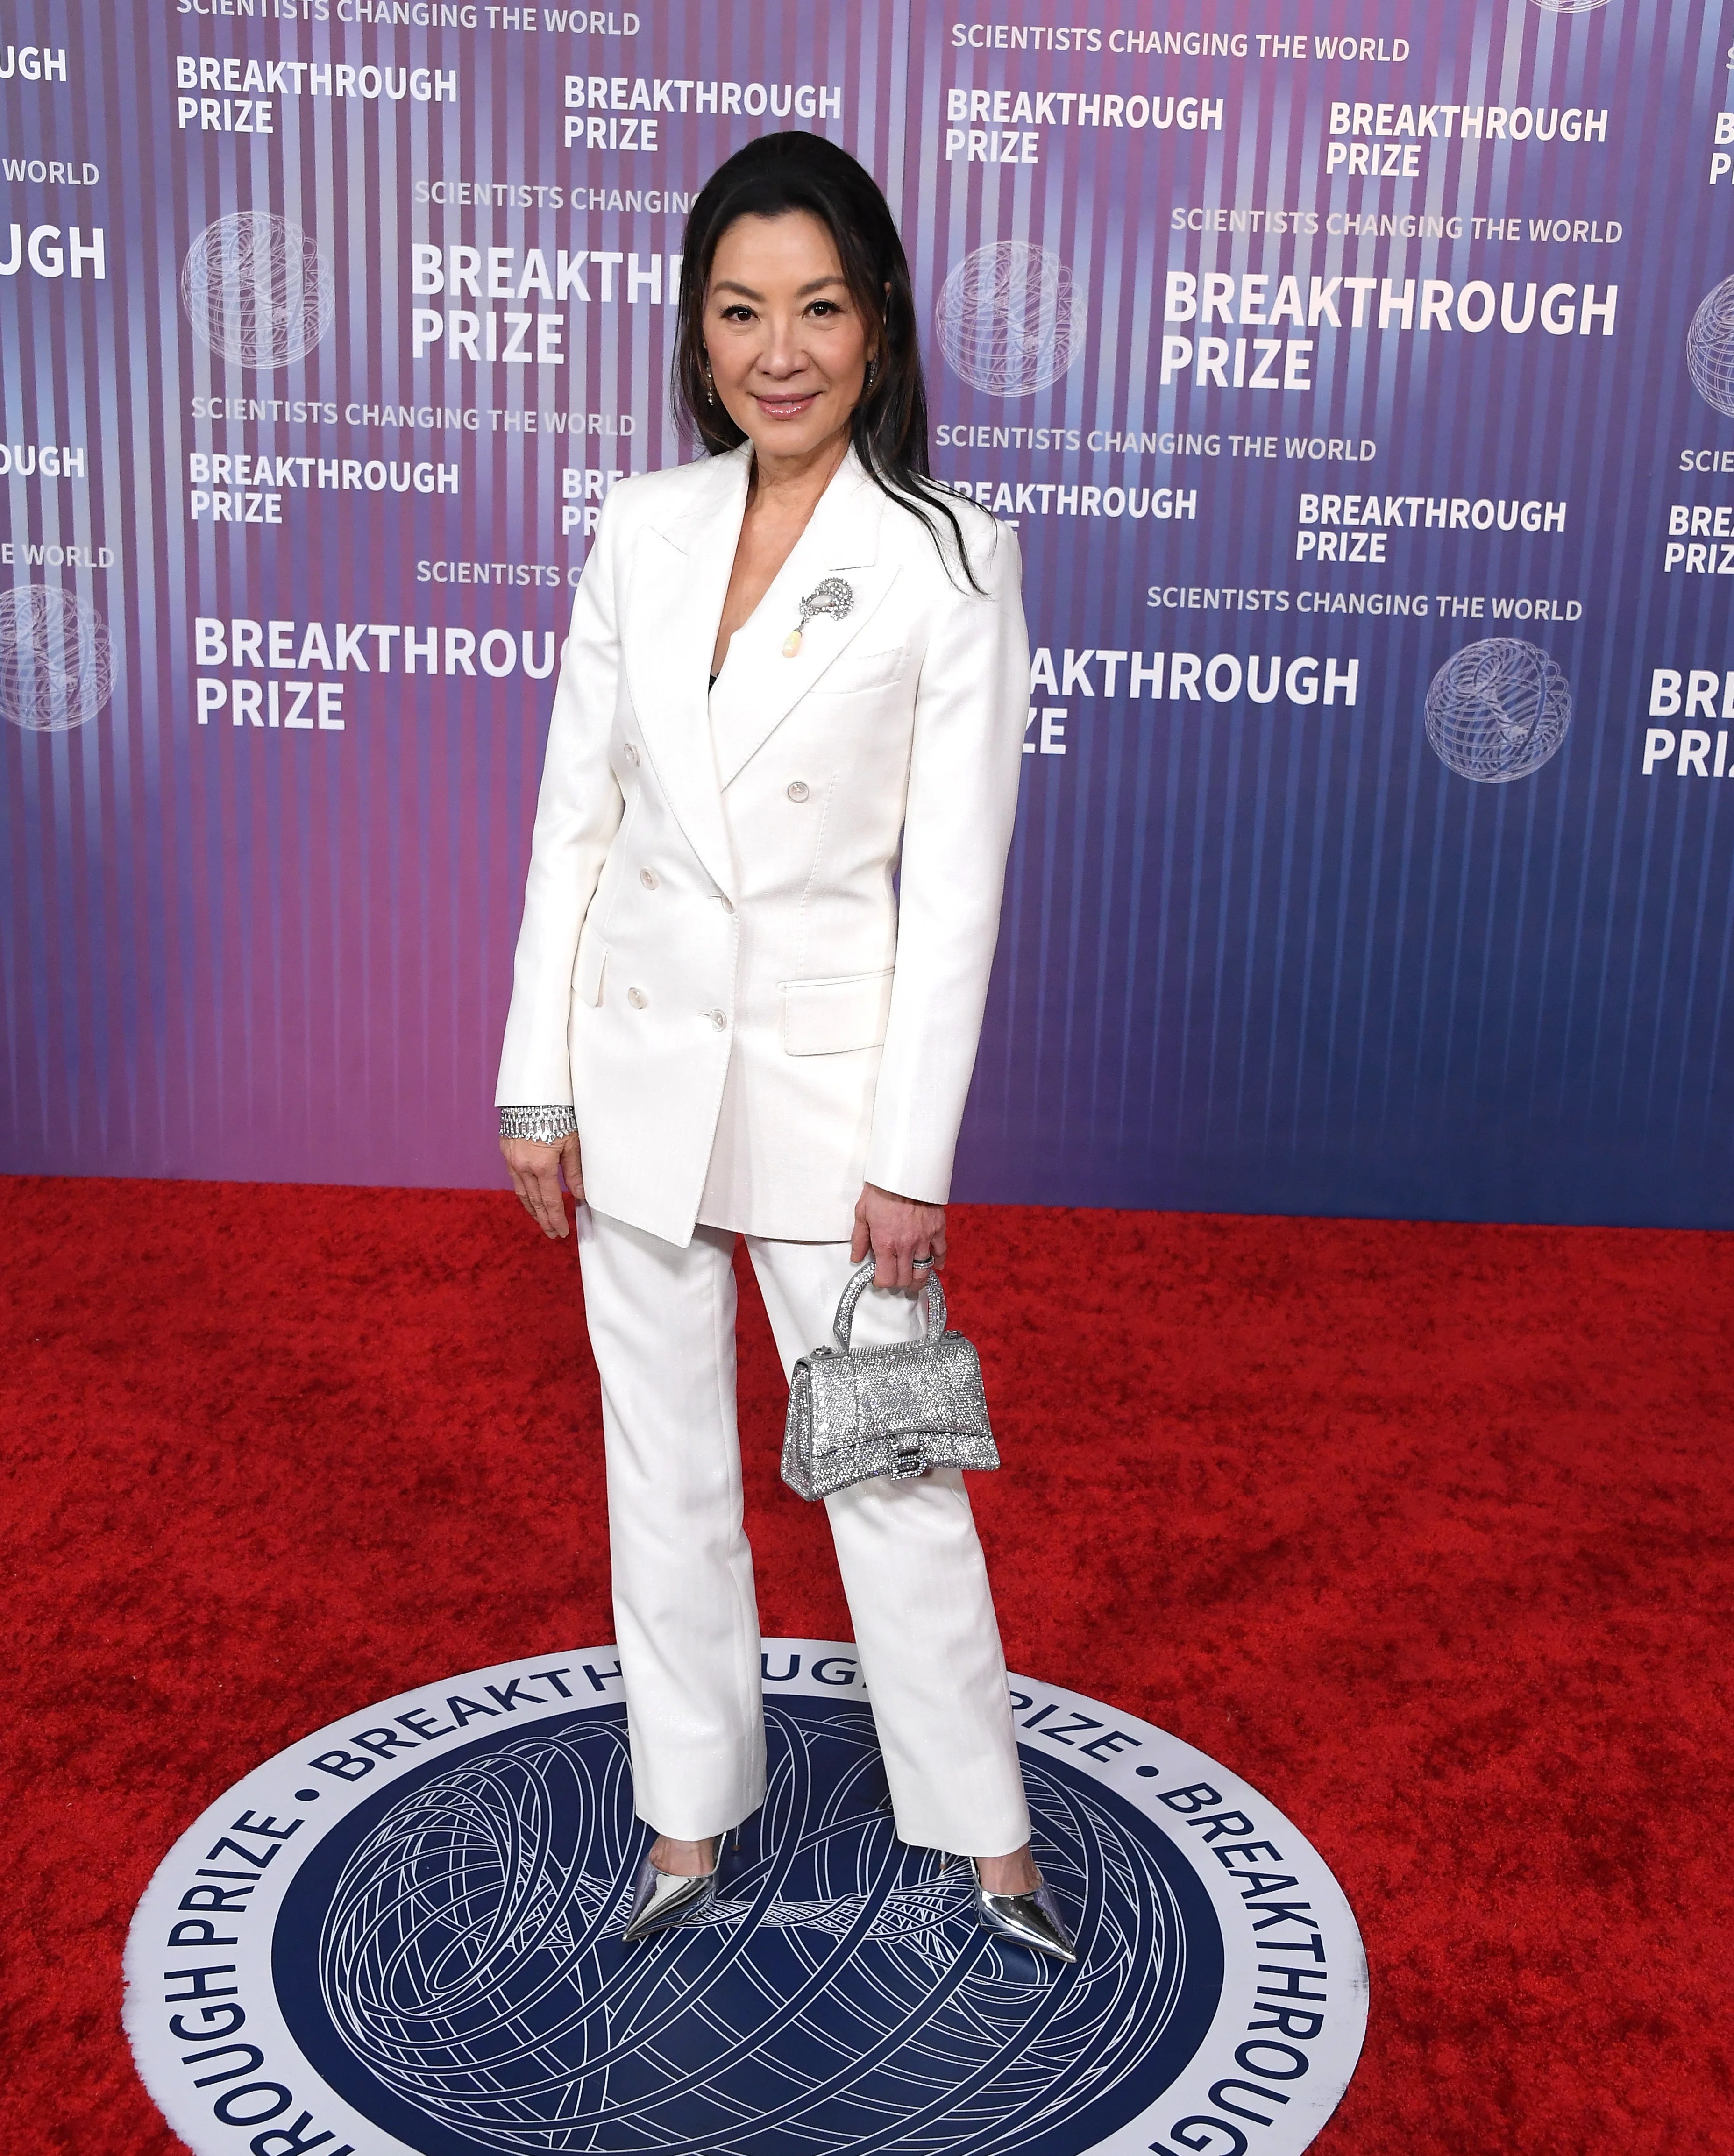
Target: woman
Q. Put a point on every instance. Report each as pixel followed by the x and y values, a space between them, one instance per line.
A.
pixel 793 694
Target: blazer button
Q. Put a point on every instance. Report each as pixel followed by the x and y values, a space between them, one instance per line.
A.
pixel 636 999
pixel 797 789
pixel 631 752
pixel 649 878
pixel 719 1019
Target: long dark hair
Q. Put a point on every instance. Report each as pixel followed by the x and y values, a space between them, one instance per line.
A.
pixel 795 171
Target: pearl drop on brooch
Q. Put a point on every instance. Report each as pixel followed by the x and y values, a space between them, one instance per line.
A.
pixel 834 597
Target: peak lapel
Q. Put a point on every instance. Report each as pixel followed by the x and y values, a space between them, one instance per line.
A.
pixel 841 540
pixel 673 602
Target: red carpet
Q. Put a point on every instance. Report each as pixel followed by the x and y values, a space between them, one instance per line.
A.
pixel 1425 1529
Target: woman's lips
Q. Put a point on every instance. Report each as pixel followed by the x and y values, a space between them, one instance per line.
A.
pixel 785 408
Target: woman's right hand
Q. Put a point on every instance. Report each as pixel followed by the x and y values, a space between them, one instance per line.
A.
pixel 535 1169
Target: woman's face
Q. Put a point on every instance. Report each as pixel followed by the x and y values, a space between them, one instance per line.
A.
pixel 788 345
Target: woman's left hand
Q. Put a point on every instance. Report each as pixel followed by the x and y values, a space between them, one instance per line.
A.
pixel 897 1230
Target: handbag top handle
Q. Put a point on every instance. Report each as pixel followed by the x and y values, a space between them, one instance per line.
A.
pixel 843 1325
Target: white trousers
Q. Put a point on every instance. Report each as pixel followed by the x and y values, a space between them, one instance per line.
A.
pixel 662 1326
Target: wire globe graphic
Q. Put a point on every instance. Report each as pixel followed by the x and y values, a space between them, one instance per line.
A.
pixel 56 665
pixel 1710 348
pixel 1497 709
pixel 257 289
pixel 838 1997
pixel 1568 7
pixel 1008 320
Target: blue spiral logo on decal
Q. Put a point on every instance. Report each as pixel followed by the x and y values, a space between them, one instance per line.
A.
pixel 405 1930
pixel 838 1997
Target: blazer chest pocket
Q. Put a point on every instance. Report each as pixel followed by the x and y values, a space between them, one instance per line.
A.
pixel 862 669
pixel 592 964
pixel 830 1017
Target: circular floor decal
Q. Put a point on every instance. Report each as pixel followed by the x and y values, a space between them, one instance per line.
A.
pixel 402 1934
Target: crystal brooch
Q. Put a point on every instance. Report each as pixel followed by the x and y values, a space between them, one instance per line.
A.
pixel 834 598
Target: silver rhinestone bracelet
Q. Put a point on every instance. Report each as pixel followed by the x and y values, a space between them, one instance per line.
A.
pixel 545 1126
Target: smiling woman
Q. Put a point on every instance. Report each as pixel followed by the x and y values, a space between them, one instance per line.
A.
pixel 800 209
pixel 758 933
pixel 788 354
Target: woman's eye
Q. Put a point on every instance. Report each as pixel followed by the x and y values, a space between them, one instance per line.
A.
pixel 736 314
pixel 824 307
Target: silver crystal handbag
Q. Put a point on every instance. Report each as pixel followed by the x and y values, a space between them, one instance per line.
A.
pixel 857 1412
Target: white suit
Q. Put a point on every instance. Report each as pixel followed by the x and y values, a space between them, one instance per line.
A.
pixel 758 933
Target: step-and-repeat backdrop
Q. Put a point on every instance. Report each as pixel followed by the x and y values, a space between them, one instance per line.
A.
pixel 1359 382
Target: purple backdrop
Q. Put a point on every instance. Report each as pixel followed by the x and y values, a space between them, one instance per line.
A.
pixel 1360 380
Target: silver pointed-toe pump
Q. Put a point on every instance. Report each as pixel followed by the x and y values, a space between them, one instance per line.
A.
pixel 662 1898
pixel 1032 1920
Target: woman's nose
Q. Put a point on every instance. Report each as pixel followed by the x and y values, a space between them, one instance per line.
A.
pixel 783 353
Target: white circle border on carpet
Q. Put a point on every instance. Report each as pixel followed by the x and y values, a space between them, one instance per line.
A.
pixel 214 2044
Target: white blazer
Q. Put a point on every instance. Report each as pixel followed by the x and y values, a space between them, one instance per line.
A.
pixel 758 925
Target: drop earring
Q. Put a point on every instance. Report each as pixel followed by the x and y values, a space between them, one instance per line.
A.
pixel 872 369
pixel 710 385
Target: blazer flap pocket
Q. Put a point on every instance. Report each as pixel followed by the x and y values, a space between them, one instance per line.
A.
pixel 592 963
pixel 862 669
pixel 827 1017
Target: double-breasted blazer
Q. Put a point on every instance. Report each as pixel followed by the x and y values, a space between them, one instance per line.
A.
pixel 760 918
